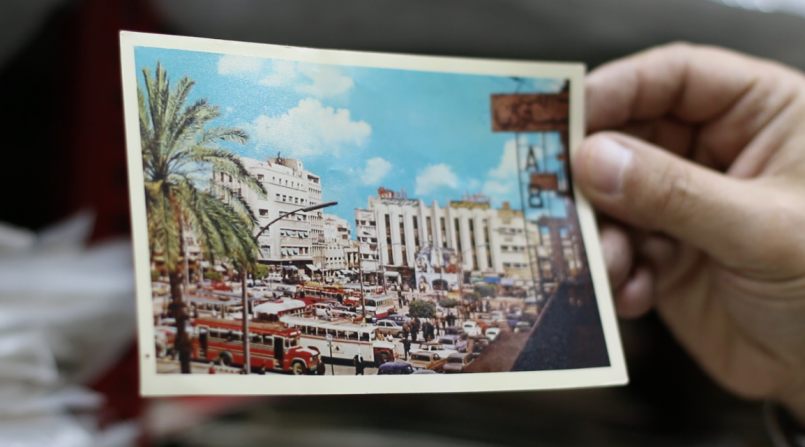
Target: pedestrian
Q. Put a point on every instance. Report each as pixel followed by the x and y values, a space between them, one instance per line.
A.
pixel 358 360
pixel 451 320
pixel 443 321
pixel 414 331
pixel 406 346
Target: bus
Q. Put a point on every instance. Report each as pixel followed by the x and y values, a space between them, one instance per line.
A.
pixel 215 307
pixel 272 311
pixel 348 339
pixel 378 306
pixel 273 346
pixel 324 294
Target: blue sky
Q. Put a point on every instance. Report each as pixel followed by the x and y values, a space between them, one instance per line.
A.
pixel 361 128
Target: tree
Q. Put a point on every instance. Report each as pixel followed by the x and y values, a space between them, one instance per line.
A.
pixel 448 303
pixel 421 309
pixel 260 271
pixel 181 155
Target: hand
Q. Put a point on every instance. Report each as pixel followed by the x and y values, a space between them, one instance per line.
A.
pixel 699 162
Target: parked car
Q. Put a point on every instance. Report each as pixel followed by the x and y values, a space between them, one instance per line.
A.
pixel 424 371
pixel 427 360
pixel 456 363
pixel 455 330
pixel 399 319
pixel 389 327
pixel 472 328
pixel 323 309
pixel 497 315
pixel 434 347
pixel 522 326
pixel 493 332
pixel 454 342
pixel 479 344
pixel 395 368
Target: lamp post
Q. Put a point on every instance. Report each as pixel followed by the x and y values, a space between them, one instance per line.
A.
pixel 244 299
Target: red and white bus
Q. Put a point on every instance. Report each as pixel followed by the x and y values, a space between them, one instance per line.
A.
pixel 324 294
pixel 272 311
pixel 348 339
pixel 379 306
pixel 273 346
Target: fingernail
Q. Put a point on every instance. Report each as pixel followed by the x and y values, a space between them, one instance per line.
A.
pixel 607 164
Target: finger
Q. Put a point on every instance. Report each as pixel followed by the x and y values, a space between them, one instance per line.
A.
pixel 734 96
pixel 666 133
pixel 653 190
pixel 617 251
pixel 636 297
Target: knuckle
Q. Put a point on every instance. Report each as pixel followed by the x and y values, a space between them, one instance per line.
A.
pixel 673 197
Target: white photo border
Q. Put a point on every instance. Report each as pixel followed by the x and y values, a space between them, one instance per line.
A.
pixel 155 384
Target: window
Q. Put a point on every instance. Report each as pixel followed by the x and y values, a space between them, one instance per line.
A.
pixel 444 233
pixel 263 213
pixel 284 198
pixel 259 177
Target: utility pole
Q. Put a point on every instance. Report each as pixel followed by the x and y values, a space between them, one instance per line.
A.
pixel 246 339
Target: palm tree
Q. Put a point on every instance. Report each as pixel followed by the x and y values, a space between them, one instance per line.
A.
pixel 180 157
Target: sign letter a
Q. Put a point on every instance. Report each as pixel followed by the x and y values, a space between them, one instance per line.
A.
pixel 531 160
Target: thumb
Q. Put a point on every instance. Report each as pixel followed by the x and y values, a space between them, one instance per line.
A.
pixel 653 189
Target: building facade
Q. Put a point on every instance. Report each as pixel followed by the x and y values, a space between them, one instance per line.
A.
pixel 296 241
pixel 394 228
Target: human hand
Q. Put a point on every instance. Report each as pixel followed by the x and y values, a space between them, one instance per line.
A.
pixel 698 158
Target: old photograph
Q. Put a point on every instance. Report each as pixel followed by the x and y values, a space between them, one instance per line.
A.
pixel 321 213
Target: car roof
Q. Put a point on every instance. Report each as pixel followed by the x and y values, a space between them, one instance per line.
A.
pixel 392 365
pixel 456 355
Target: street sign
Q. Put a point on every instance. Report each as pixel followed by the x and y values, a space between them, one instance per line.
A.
pixel 531 112
pixel 329 338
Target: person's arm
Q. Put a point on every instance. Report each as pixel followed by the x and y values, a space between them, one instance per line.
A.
pixel 697 160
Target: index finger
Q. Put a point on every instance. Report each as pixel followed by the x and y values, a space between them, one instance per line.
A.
pixel 732 96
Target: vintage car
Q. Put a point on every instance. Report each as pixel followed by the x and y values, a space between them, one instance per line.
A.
pixel 395 368
pixel 399 319
pixel 456 363
pixel 493 332
pixel 389 327
pixel 432 346
pixel 454 342
pixel 427 360
pixel 472 328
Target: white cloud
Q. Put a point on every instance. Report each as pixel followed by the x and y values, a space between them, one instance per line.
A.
pixel 326 80
pixel 502 179
pixel 284 74
pixel 309 129
pixel 230 64
pixel 375 171
pixel 434 177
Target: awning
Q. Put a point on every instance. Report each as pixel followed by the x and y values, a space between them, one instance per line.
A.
pixel 311 267
pixel 219 268
pixel 392 274
pixel 347 272
pixel 205 264
pixel 289 267
pixel 492 279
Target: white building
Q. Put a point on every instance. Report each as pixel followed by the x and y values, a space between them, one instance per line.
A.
pixel 338 243
pixel 485 240
pixel 298 240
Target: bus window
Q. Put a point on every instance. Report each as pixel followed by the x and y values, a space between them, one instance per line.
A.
pixel 295 342
pixel 256 338
pixel 352 335
pixel 268 341
pixel 371 302
pixel 365 336
pixel 341 335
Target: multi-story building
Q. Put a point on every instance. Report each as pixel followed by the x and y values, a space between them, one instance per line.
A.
pixel 298 239
pixel 394 228
pixel 338 243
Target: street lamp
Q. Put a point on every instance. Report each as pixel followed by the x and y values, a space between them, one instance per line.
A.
pixel 245 301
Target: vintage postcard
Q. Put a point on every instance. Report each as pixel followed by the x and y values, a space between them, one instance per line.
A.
pixel 317 222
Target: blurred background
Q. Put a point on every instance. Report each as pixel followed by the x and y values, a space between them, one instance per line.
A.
pixel 63 151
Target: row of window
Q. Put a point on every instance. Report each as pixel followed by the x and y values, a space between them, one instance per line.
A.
pixel 512 248
pixel 515 265
pixel 290 199
pixel 281 182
